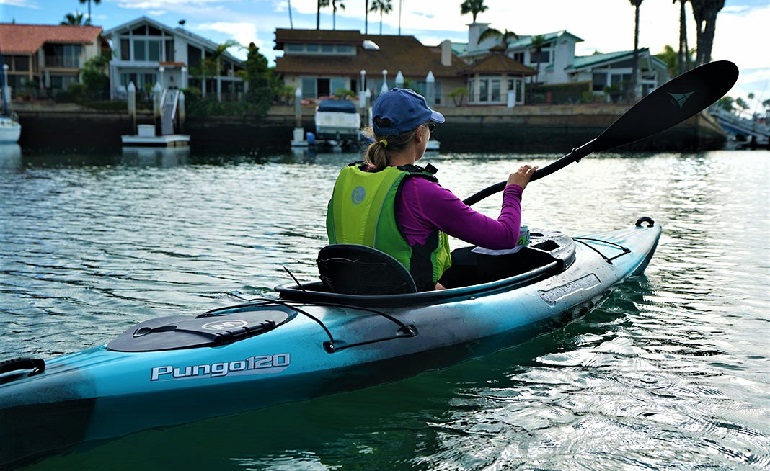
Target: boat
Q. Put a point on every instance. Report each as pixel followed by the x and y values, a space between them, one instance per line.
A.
pixel 362 324
pixel 10 129
pixel 338 121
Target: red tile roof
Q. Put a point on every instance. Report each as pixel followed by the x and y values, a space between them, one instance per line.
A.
pixel 404 53
pixel 499 63
pixel 21 39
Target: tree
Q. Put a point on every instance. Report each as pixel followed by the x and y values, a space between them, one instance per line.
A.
pixel 334 11
pixel 319 4
pixel 705 13
pixel 367 18
pixel 683 54
pixel 400 5
pixel 263 84
pixel 671 58
pixel 474 7
pixel 496 33
pixel 96 2
pixel 383 6
pixel 631 92
pixel 291 21
pixel 537 44
pixel 74 19
pixel 94 74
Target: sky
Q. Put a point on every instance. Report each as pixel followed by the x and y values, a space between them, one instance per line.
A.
pixel 604 25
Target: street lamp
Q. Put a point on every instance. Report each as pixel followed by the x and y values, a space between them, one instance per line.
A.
pixel 384 81
pixel 6 98
pixel 362 92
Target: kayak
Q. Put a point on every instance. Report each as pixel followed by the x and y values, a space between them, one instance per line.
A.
pixel 306 340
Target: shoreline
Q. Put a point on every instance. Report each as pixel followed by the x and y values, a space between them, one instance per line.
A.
pixel 530 128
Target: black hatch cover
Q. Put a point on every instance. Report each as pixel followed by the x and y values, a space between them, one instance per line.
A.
pixel 175 332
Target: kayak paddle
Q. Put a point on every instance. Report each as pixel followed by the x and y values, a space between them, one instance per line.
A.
pixel 666 106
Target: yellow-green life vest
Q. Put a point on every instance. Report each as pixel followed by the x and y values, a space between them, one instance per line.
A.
pixel 362 211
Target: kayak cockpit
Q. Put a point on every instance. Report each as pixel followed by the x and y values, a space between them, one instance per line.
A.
pixel 366 277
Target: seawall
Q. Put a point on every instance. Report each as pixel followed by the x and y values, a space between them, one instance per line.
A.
pixel 555 128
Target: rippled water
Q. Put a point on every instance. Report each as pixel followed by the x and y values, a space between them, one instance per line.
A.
pixel 672 371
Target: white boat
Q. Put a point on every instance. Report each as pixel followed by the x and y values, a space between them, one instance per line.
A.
pixel 10 129
pixel 337 120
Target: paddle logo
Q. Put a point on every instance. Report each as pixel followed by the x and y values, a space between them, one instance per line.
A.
pixel 680 98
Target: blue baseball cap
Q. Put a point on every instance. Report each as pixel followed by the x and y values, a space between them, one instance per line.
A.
pixel 401 110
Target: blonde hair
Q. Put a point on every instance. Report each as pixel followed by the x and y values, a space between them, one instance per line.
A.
pixel 377 152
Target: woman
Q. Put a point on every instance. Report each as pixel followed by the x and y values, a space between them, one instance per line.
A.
pixel 389 203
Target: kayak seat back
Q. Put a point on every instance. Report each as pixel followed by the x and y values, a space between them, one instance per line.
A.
pixel 358 269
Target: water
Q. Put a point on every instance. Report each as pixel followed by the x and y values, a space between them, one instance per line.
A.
pixel 672 371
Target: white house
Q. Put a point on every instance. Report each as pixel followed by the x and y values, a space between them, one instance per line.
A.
pixel 557 64
pixel 147 52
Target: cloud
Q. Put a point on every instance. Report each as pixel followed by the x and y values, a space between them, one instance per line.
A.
pixel 20 3
pixel 243 33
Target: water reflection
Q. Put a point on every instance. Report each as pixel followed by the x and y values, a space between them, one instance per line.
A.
pixel 163 157
pixel 10 157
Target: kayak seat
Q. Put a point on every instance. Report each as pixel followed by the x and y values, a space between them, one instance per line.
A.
pixel 362 270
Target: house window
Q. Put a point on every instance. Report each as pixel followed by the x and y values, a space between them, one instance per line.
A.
pixel 490 89
pixel 518 56
pixel 309 87
pixel 140 50
pixel 320 49
pixel 169 57
pixel 517 86
pixel 599 81
pixel 20 63
pixel 147 50
pixel 338 83
pixel 125 50
pixel 154 50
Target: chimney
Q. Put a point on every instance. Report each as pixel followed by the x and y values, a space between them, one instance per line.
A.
pixel 474 31
pixel 446 53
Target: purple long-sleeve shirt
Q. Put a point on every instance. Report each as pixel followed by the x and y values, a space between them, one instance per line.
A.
pixel 425 205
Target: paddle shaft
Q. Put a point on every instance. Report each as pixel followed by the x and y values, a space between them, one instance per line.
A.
pixel 664 107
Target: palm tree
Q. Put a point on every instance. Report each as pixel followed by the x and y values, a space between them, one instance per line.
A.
pixel 631 92
pixel 400 5
pixel 96 2
pixel 537 44
pixel 474 7
pixel 319 4
pixel 367 17
pixel 384 6
pixel 334 12
pixel 683 55
pixel 76 19
pixel 705 13
pixel 495 33
pixel 291 21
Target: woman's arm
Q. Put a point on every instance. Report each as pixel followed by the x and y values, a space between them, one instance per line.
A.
pixel 425 205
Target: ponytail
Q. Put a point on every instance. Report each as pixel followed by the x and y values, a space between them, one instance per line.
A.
pixel 377 152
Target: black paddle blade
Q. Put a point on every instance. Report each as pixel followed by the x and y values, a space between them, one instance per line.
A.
pixel 670 104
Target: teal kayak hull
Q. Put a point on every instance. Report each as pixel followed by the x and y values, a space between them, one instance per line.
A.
pixel 299 344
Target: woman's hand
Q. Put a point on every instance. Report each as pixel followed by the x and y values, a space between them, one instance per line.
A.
pixel 521 176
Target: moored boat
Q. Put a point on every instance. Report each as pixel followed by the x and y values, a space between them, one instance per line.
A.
pixel 306 341
pixel 10 129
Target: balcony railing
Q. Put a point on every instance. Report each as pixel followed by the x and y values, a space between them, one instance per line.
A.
pixel 63 62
